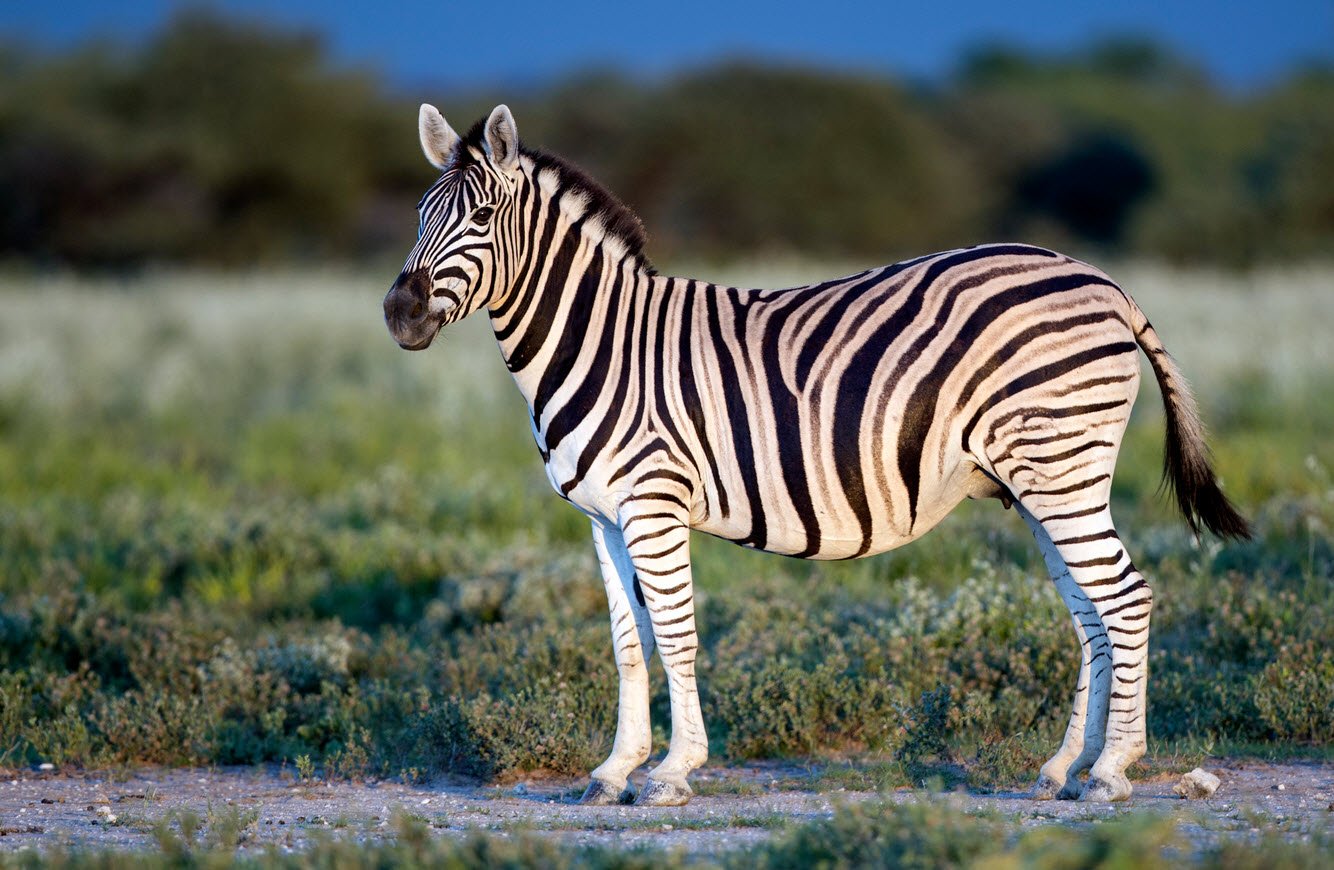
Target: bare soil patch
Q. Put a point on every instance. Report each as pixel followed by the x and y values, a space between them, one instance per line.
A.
pixel 738 806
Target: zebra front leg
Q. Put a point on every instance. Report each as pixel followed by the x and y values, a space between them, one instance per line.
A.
pixel 658 539
pixel 632 637
pixel 1101 568
pixel 1059 777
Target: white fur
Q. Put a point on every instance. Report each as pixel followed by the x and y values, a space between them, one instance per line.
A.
pixel 634 737
pixel 502 138
pixel 437 137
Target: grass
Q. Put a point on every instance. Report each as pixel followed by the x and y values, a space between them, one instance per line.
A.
pixel 238 525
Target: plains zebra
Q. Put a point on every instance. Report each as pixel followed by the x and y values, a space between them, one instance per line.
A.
pixel 832 421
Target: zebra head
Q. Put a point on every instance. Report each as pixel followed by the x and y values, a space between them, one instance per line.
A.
pixel 467 227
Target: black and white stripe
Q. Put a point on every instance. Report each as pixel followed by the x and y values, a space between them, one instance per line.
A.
pixel 831 421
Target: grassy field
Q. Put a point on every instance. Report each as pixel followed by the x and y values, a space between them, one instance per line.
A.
pixel 238 525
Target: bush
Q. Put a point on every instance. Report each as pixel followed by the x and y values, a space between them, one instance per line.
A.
pixel 885 835
pixel 1295 693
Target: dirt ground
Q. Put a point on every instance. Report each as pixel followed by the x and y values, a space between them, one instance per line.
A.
pixel 736 806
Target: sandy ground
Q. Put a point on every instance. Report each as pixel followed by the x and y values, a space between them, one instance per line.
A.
pixel 736 807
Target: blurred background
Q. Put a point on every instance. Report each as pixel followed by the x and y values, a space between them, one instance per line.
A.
pixel 247 133
pixel 238 524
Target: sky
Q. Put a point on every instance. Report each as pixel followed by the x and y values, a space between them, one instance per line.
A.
pixel 462 44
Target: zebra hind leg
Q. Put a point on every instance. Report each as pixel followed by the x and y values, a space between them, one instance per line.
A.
pixel 1086 541
pixel 1058 463
pixel 1083 741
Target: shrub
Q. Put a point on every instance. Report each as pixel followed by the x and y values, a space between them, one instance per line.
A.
pixel 1294 694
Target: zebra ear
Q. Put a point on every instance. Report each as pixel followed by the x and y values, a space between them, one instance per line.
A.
pixel 438 138
pixel 502 137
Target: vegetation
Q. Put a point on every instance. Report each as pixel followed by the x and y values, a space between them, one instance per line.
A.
pixel 223 142
pixel 237 524
pixel 876 834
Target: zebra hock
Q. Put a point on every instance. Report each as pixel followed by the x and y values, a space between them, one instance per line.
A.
pixel 831 421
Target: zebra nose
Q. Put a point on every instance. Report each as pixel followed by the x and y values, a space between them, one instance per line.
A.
pixel 406 300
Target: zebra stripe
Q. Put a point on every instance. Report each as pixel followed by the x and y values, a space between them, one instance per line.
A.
pixel 832 421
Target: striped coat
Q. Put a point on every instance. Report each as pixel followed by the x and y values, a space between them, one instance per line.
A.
pixel 831 421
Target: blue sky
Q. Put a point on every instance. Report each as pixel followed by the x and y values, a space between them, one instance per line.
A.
pixel 450 43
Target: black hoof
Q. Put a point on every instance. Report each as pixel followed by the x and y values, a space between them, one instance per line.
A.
pixel 1071 791
pixel 663 794
pixel 599 794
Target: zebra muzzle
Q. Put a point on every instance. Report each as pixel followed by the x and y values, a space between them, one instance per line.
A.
pixel 406 307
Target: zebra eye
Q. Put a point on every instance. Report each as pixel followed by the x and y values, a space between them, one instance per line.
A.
pixel 483 215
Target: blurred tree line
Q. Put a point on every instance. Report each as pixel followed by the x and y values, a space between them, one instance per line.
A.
pixel 225 142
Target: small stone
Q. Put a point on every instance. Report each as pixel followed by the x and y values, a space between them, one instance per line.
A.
pixel 1197 784
pixel 1282 787
pixel 46 765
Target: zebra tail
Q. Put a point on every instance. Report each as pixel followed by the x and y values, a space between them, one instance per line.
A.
pixel 1187 468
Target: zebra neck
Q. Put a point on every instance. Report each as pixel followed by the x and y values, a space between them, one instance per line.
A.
pixel 569 296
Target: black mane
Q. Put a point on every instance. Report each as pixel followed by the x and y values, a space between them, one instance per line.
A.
pixel 616 216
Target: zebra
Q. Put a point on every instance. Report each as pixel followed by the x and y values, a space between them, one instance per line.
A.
pixel 831 421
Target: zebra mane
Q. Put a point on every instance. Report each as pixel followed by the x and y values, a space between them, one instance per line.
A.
pixel 616 216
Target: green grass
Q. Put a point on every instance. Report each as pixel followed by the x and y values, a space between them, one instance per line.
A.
pixel 238 525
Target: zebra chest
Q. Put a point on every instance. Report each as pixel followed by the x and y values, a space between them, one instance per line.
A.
pixel 581 476
pixel 599 468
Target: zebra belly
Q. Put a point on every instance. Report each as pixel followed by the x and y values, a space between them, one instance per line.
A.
pixel 841 534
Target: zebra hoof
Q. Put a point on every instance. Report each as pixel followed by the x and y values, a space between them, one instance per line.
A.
pixel 1073 790
pixel 1046 788
pixel 663 794
pixel 600 794
pixel 1102 790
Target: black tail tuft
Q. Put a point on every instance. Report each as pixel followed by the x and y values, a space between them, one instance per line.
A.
pixel 1187 470
pixel 1189 474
